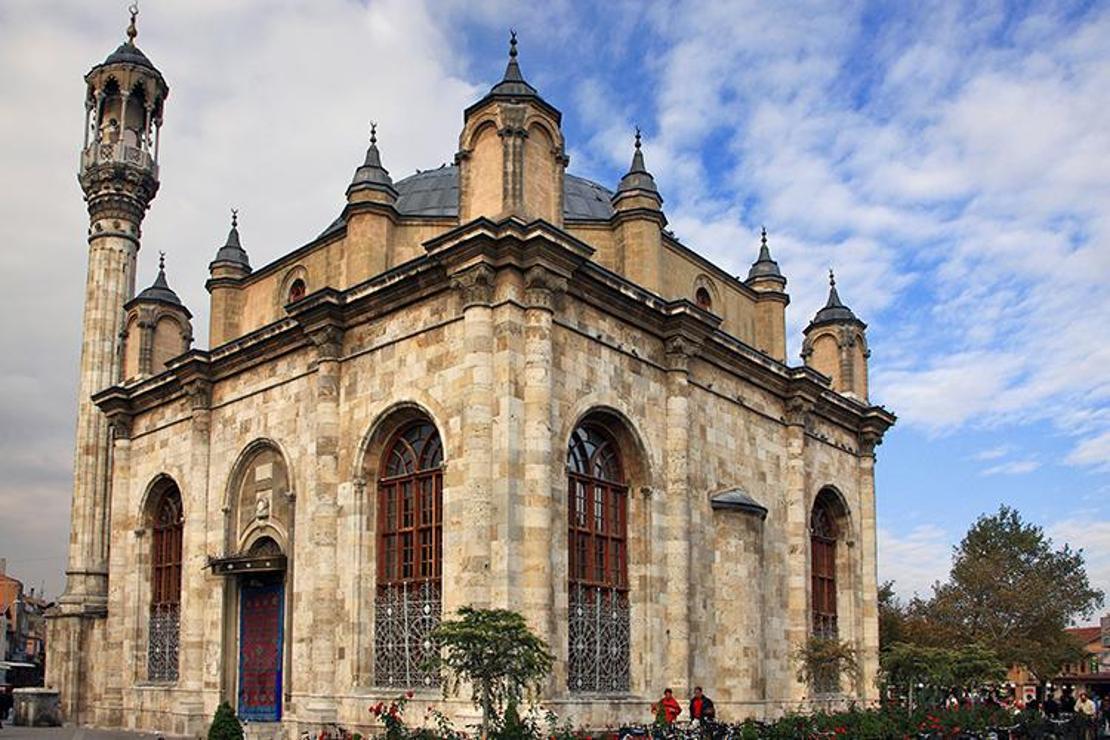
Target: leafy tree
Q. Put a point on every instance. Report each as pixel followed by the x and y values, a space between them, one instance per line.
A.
pixel 494 651
pixel 225 725
pixel 1011 591
pixel 823 660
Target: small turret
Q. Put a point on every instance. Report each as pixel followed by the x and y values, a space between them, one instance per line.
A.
pixel 836 345
pixel 639 220
pixel 512 156
pixel 372 181
pixel 226 274
pixel 158 328
pixel 767 280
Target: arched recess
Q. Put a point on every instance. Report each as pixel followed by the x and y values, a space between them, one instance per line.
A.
pixel 541 172
pixel 294 285
pixel 402 549
pixel 706 295
pixel 606 553
pixel 259 543
pixel 163 520
pixel 832 580
pixel 484 181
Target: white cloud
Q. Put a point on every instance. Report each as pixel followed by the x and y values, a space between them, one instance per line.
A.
pixel 1013 467
pixel 992 453
pixel 915 560
pixel 1094 452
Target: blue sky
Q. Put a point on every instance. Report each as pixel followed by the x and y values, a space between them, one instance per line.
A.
pixel 951 161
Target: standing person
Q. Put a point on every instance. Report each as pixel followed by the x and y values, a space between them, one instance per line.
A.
pixel 701 706
pixel 1085 711
pixel 1051 706
pixel 1067 702
pixel 667 709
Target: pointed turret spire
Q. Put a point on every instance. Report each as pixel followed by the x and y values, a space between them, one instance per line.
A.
pixel 232 251
pixel 834 309
pixel 160 290
pixel 372 175
pixel 638 177
pixel 512 83
pixel 764 266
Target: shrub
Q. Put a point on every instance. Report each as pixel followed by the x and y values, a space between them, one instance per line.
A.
pixel 225 725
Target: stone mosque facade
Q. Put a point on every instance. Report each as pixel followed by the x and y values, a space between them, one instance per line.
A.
pixel 491 384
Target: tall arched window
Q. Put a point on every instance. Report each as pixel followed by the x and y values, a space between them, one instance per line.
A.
pixel 167 525
pixel 296 290
pixel 703 299
pixel 822 537
pixel 597 542
pixel 410 556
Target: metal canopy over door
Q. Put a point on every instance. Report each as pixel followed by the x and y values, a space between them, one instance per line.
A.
pixel 261 634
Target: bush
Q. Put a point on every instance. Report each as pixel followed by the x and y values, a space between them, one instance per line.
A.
pixel 225 725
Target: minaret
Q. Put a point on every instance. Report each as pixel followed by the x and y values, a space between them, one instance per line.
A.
pixel 638 216
pixel 836 345
pixel 512 155
pixel 767 281
pixel 119 175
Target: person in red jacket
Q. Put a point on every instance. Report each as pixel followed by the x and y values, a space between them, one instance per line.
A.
pixel 668 708
pixel 701 706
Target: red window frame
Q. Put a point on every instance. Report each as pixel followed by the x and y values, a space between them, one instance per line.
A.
pixel 166 546
pixel 597 510
pixel 410 507
pixel 823 536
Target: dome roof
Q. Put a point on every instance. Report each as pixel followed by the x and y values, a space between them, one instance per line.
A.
pixel 160 291
pixel 834 310
pixel 436 193
pixel 128 53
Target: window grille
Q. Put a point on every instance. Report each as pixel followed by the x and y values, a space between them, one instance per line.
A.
pixel 599 624
pixel 165 588
pixel 408 603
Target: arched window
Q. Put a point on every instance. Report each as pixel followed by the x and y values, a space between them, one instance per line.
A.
pixel 165 585
pixel 703 299
pixel 822 537
pixel 296 291
pixel 597 542
pixel 410 556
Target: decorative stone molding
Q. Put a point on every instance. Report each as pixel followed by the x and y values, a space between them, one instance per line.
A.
pixel 120 424
pixel 799 412
pixel 542 287
pixel 475 285
pixel 200 394
pixel 869 439
pixel 328 340
pixel 679 350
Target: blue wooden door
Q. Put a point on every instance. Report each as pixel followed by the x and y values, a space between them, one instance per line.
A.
pixel 261 627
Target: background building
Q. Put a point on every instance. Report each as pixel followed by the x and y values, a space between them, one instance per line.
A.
pixel 492 384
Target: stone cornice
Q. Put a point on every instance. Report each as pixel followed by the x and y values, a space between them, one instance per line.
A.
pixel 543 254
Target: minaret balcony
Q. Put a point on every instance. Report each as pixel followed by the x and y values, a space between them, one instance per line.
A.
pixel 103 152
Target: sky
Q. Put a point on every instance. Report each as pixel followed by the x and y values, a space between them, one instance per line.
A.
pixel 951 161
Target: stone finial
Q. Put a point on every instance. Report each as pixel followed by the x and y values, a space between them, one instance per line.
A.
pixel 637 177
pixel 765 266
pixel 132 30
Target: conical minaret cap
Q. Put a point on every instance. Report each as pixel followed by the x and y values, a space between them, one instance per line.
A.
pixel 764 266
pixel 513 83
pixel 160 290
pixel 128 52
pixel 372 175
pixel 638 177
pixel 232 250
pixel 834 310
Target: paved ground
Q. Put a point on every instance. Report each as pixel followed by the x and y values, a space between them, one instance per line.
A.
pixel 68 733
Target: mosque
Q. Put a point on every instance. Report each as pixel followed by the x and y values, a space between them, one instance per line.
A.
pixel 493 384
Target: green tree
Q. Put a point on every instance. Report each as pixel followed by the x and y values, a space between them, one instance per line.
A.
pixel 225 725
pixel 494 651
pixel 1012 592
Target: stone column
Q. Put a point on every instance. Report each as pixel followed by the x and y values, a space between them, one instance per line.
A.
pixel 200 591
pixel 796 529
pixel 544 540
pixel 676 511
pixel 868 555
pixel 115 666
pixel 320 557
pixel 467 482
